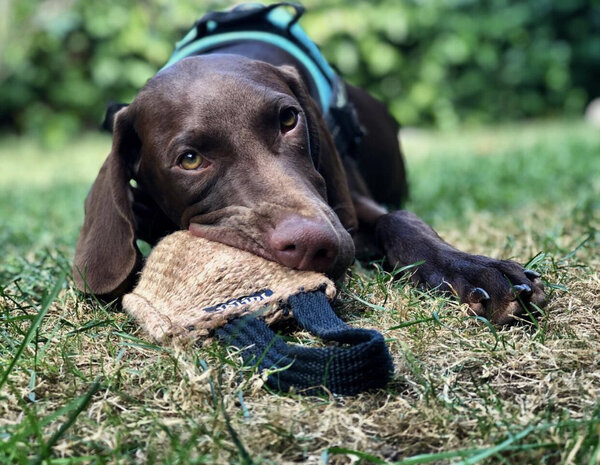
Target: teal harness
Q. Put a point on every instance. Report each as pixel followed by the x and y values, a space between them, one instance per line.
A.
pixel 275 25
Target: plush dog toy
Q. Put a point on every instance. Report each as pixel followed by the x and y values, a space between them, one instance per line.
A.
pixel 192 288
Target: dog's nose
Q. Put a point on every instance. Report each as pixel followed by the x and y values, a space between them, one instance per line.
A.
pixel 304 244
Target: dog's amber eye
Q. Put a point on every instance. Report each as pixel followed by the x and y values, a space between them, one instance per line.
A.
pixel 288 118
pixel 191 161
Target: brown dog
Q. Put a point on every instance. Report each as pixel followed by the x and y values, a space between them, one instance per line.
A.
pixel 232 146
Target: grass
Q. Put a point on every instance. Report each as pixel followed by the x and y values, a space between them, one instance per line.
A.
pixel 80 383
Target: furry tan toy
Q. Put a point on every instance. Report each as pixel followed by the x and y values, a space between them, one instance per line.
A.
pixel 191 288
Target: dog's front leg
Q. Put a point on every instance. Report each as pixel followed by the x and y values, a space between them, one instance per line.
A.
pixel 492 288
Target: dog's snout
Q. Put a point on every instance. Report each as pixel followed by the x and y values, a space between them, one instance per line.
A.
pixel 304 244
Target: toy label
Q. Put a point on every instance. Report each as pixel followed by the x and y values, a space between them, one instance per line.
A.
pixel 258 296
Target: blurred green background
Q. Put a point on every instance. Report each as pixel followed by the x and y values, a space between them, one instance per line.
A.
pixel 439 63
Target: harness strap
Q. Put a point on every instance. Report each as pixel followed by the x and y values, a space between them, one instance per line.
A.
pixel 366 364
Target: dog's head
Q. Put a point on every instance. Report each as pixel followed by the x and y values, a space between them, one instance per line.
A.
pixel 231 148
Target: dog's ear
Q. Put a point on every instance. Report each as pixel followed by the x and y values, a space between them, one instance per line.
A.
pixel 327 159
pixel 107 256
pixel 109 117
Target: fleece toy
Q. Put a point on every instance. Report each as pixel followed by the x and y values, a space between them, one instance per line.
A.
pixel 192 288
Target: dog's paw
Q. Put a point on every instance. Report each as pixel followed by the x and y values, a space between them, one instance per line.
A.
pixel 500 290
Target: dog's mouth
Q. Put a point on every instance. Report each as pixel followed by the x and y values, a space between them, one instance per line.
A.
pixel 296 242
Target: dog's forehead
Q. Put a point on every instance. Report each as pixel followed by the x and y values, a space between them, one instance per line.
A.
pixel 213 81
pixel 208 92
pixel 214 97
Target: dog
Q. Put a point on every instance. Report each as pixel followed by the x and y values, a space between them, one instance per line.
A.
pixel 233 145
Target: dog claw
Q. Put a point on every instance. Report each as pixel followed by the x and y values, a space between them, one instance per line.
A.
pixel 522 289
pixel 478 295
pixel 532 275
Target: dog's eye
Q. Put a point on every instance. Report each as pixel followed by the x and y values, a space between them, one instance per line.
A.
pixel 288 118
pixel 191 161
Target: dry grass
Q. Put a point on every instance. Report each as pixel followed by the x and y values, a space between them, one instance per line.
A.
pixel 88 387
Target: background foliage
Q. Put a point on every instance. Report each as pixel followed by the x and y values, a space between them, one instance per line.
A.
pixel 435 62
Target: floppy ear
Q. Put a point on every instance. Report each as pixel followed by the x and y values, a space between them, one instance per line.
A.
pixel 327 159
pixel 107 257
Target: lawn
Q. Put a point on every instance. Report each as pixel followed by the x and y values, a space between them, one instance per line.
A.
pixel 80 383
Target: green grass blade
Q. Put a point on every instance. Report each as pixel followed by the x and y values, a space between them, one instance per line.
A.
pixel 77 406
pixel 364 302
pixel 420 459
pixel 499 448
pixel 406 324
pixel 34 327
